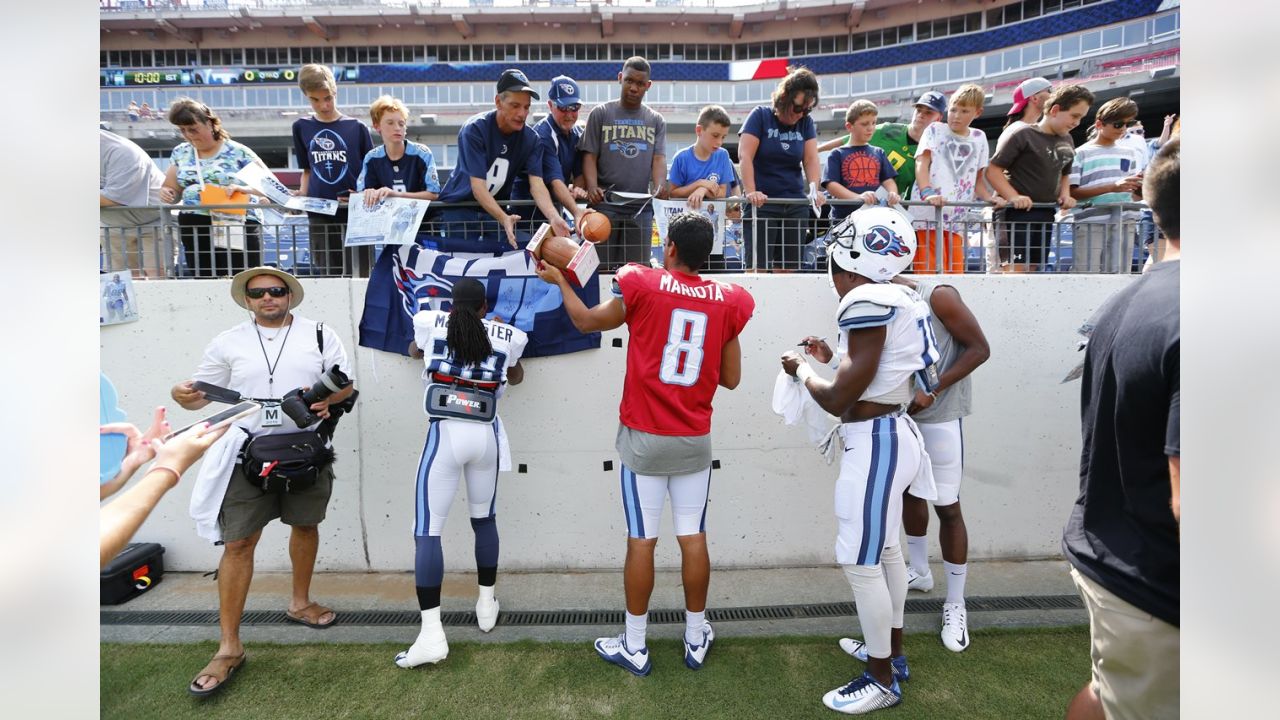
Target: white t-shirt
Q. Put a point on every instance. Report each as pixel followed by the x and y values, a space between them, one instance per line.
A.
pixel 953 169
pixel 238 359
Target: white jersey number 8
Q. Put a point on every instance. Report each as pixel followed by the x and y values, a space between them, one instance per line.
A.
pixel 682 355
pixel 497 175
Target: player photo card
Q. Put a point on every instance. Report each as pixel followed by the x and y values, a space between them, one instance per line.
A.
pixel 713 210
pixel 116 301
pixel 393 221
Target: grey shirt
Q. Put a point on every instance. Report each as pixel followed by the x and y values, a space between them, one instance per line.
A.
pixel 128 177
pixel 649 454
pixel 624 143
pixel 956 401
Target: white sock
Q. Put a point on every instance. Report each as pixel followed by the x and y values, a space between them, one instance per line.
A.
pixel 636 626
pixel 486 593
pixel 875 607
pixel 430 621
pixel 918 553
pixel 956 575
pixel 693 622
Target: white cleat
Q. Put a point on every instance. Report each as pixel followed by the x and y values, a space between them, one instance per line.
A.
pixel 695 655
pixel 955 627
pixel 863 695
pixel 431 645
pixel 919 583
pixel 614 650
pixel 486 614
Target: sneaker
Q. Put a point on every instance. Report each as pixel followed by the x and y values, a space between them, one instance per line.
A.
pixel 917 582
pixel 486 614
pixel 858 650
pixel 955 627
pixel 863 695
pixel 614 650
pixel 695 655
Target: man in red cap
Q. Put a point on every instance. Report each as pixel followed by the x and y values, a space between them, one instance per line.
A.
pixel 1028 106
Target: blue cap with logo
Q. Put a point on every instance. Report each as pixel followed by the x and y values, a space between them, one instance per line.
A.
pixel 564 91
pixel 934 100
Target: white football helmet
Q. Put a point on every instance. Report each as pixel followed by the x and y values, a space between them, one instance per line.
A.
pixel 875 242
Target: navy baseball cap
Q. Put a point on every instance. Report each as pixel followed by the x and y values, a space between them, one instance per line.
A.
pixel 934 100
pixel 515 81
pixel 564 91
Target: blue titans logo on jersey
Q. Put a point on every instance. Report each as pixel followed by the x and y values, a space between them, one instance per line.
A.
pixel 883 241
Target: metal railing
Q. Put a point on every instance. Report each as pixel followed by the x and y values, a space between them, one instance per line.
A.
pixel 782 236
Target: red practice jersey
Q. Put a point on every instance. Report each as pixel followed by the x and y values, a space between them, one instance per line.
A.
pixel 679 325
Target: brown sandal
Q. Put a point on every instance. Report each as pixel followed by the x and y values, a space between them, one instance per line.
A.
pixel 310 616
pixel 221 668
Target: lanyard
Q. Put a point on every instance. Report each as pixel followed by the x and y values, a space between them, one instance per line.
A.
pixel 271 367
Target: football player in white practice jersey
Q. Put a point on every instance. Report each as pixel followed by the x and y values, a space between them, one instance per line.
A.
pixel 884 330
pixel 468 362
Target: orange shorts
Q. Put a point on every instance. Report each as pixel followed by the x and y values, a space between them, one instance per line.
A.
pixel 927 251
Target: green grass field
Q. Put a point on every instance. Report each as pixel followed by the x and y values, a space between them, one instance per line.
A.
pixel 1005 674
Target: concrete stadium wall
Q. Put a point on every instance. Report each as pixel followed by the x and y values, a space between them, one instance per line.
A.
pixel 770 501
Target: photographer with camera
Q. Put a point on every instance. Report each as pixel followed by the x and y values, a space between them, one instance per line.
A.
pixel 284 468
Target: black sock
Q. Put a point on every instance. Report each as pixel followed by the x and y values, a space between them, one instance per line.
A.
pixel 487 576
pixel 428 597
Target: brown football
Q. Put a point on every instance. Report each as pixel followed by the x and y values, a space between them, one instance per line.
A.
pixel 595 226
pixel 557 251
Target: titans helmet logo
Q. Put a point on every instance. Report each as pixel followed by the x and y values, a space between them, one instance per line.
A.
pixel 883 241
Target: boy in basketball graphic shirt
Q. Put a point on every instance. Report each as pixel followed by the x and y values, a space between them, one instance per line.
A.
pixel 856 170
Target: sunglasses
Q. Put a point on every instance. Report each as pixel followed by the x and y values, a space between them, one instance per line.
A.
pixel 275 292
pixel 802 110
pixel 1117 124
pixel 569 108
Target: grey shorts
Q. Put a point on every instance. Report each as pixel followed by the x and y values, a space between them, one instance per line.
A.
pixel 246 509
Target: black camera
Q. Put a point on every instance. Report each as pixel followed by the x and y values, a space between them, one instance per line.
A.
pixel 297 404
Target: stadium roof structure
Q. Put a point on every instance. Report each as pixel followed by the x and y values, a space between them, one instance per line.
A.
pixel 329 19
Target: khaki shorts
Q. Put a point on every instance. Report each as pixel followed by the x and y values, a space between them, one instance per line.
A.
pixel 1135 656
pixel 141 249
pixel 246 509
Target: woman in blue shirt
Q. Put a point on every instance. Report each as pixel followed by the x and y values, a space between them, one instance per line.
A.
pixel 778 158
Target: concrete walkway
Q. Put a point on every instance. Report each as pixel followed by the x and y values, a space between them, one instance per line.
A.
pixel 589 590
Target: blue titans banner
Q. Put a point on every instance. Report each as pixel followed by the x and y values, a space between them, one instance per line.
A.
pixel 409 278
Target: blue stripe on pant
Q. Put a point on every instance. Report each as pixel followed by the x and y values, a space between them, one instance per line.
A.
pixel 422 517
pixel 631 503
pixel 875 504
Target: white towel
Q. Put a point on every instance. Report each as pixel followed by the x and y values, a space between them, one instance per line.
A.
pixel 923 485
pixel 504 448
pixel 211 484
pixel 797 407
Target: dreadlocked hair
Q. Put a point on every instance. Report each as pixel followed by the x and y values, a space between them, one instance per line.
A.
pixel 467 338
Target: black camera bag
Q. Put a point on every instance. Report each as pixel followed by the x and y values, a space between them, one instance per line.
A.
pixel 285 462
pixel 138 568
